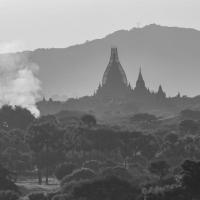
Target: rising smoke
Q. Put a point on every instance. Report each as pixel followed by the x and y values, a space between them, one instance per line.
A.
pixel 18 82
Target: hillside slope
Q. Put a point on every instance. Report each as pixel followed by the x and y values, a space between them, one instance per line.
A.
pixel 168 55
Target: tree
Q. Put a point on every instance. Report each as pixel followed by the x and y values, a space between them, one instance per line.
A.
pixel 117 171
pixel 46 140
pixel 80 174
pixel 7 180
pixel 104 140
pixel 190 147
pixel 9 195
pixel 93 165
pixel 191 177
pixel 171 138
pixel 89 120
pixel 160 168
pixel 37 196
pixel 173 149
pixel 148 146
pixel 190 114
pixel 16 154
pixel 126 145
pixel 64 169
pixel 170 192
pixel 15 117
pixel 111 188
pixel 189 126
pixel 143 117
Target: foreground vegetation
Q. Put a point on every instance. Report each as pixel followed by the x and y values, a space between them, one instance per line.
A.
pixel 155 159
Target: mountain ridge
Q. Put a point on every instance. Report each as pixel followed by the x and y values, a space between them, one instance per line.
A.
pixel 163 52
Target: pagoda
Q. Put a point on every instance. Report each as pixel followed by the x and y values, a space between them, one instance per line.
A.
pixel 114 83
pixel 140 91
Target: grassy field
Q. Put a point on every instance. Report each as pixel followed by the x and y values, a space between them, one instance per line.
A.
pixel 31 185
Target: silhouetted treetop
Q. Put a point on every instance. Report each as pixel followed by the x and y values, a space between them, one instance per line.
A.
pixel 89 120
pixel 143 117
pixel 15 117
pixel 7 180
pixel 190 114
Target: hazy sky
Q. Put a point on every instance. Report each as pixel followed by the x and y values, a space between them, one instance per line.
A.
pixel 30 24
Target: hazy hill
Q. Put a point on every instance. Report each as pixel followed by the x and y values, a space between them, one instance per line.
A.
pixel 168 55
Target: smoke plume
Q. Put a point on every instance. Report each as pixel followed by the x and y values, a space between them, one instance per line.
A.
pixel 19 85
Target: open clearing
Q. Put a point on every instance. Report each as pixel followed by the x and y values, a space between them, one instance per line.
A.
pixel 31 185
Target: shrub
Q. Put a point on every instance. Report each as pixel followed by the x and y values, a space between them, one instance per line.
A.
pixel 190 114
pixel 89 120
pixel 172 192
pixel 143 117
pixel 191 176
pixel 108 163
pixel 94 165
pixel 8 195
pixel 61 197
pixel 160 168
pixel 50 195
pixel 68 187
pixel 111 188
pixel 119 172
pixel 171 138
pixel 188 126
pixel 16 117
pixel 37 196
pixel 77 175
pixel 63 170
pixel 7 180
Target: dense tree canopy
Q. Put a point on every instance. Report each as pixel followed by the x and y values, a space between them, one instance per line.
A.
pixel 84 155
pixel 111 188
pixel 15 117
pixel 160 168
pixel 190 114
pixel 46 140
pixel 143 117
pixel 189 126
pixel 89 120
pixel 7 179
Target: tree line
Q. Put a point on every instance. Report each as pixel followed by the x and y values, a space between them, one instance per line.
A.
pixel 83 154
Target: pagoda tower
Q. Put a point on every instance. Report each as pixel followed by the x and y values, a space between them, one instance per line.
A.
pixel 140 90
pixel 114 82
pixel 161 94
pixel 140 84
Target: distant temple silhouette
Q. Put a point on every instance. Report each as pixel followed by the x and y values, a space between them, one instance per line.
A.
pixel 115 84
pixel 115 96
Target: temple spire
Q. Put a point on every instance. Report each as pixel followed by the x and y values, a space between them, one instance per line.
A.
pixel 160 90
pixel 140 74
pixel 178 95
pixel 140 81
pixel 161 93
pixel 114 71
pixel 114 82
pixel 114 55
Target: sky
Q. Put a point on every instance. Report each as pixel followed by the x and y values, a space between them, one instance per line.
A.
pixel 32 24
